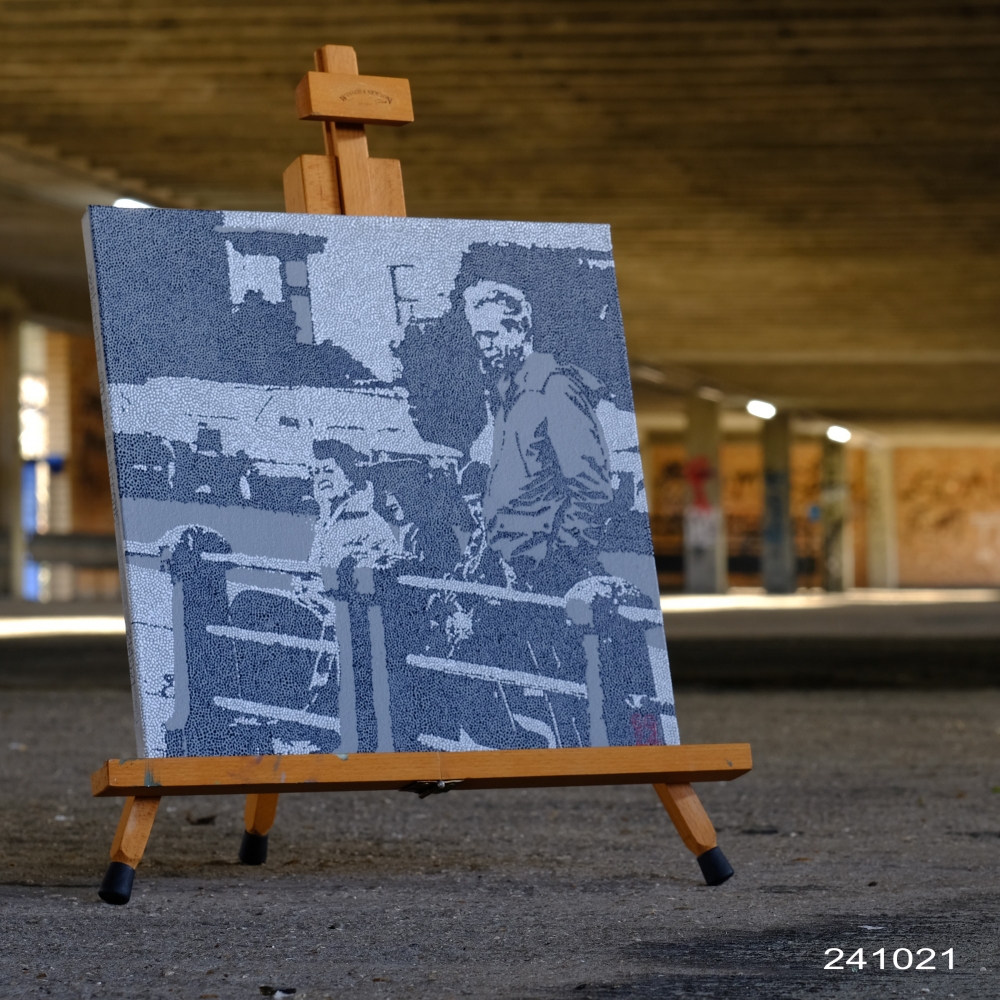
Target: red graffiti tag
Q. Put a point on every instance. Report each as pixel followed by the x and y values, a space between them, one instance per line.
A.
pixel 698 471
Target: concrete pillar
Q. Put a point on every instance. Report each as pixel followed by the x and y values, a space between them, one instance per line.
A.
pixel 777 557
pixel 11 537
pixel 58 345
pixel 835 517
pixel 883 545
pixel 705 554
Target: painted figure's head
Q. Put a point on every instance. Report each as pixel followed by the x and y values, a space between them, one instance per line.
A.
pixel 334 473
pixel 500 318
pixel 330 484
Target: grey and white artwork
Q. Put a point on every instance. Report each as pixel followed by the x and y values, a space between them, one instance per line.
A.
pixel 377 485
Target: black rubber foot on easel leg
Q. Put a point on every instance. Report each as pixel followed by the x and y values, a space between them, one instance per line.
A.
pixel 253 848
pixel 715 867
pixel 116 887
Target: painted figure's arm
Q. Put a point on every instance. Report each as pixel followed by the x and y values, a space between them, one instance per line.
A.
pixel 578 441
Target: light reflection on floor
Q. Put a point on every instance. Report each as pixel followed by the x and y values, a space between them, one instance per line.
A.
pixel 28 627
pixel 752 598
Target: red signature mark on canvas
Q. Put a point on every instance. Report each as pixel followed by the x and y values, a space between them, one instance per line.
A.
pixel 644 727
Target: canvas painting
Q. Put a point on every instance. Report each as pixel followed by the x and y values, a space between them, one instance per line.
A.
pixel 377 485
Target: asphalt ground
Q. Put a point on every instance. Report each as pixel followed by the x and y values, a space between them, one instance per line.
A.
pixel 871 820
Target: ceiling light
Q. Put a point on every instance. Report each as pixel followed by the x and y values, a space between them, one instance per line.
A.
pixel 758 408
pixel 130 203
pixel 839 434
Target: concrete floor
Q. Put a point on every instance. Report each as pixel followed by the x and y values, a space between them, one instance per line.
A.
pixel 871 820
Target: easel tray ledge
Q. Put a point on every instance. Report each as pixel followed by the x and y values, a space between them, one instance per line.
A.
pixel 157 776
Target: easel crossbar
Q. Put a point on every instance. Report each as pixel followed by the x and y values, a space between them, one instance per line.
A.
pixel 470 770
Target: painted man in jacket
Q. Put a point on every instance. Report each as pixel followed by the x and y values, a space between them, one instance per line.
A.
pixel 550 476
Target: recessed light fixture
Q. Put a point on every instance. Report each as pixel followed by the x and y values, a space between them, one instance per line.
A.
pixel 130 203
pixel 762 409
pixel 839 434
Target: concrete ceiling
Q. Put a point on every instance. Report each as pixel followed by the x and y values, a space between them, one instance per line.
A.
pixel 804 196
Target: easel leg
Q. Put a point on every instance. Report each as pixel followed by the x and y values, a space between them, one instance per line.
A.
pixel 258 817
pixel 696 830
pixel 127 849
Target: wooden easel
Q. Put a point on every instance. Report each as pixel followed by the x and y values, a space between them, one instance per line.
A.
pixel 345 181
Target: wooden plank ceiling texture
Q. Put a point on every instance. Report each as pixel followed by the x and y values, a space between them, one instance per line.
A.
pixel 804 196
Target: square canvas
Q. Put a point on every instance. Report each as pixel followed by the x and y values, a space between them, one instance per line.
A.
pixel 377 485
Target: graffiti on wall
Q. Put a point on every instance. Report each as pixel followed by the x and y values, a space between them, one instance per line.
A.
pixel 948 516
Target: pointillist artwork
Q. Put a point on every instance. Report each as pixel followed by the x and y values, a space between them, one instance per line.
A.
pixel 378 485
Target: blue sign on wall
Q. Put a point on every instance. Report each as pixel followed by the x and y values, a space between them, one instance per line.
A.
pixel 377 485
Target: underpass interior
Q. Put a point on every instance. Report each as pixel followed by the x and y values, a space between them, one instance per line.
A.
pixel 804 209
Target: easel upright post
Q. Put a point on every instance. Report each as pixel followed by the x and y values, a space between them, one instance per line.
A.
pixel 346 181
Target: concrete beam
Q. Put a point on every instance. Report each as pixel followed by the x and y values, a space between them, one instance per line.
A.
pixel 41 173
